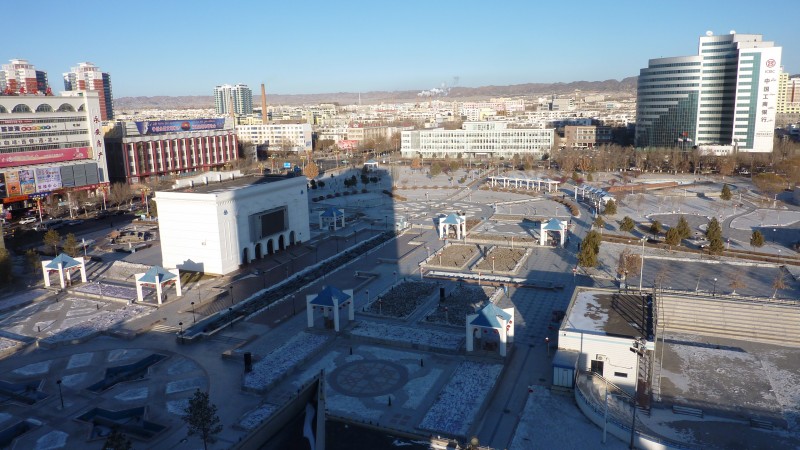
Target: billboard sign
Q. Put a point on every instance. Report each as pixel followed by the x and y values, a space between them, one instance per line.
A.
pixel 48 179
pixel 287 165
pixel 174 126
pixel 44 156
pixel 12 184
pixel 27 182
pixel 3 192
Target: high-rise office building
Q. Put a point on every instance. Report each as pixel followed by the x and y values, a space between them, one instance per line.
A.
pixel 724 96
pixel 88 77
pixel 240 95
pixel 21 77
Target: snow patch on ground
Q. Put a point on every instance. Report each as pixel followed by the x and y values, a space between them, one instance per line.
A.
pixel 178 407
pixel 184 385
pixel 786 385
pixel 79 360
pixel 74 379
pixel 53 439
pixel 327 363
pixel 124 353
pixel 352 407
pixel 4 417
pixel 458 403
pixel 21 298
pixel 181 367
pixel 257 416
pixel 418 388
pixel 7 344
pixel 95 324
pixel 132 394
pixel 33 369
pixel 283 359
pixel 408 335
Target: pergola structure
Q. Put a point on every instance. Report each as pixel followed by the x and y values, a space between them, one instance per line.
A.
pixel 554 226
pixel 528 183
pixel 331 217
pixel 330 299
pixel 459 222
pixel 158 278
pixel 594 193
pixel 64 265
pixel 491 319
pixel 371 165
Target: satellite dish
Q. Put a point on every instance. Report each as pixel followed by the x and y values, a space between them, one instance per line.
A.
pixel 709 33
pixel 732 32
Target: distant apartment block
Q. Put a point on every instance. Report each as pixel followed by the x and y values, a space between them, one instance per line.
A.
pixel 586 136
pixel 237 98
pixel 725 97
pixel 295 137
pixel 562 104
pixel 788 94
pixel 21 77
pixel 361 133
pixel 88 77
pixel 477 140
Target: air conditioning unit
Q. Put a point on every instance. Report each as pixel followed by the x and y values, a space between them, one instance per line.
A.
pixel 600 357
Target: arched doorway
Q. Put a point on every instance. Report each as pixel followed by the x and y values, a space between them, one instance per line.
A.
pixel 270 247
pixel 258 251
pixel 281 243
pixel 245 257
pixel 291 238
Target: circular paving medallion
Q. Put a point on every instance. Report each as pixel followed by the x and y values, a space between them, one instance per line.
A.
pixel 369 378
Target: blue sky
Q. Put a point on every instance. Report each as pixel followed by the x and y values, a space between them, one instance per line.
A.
pixel 172 47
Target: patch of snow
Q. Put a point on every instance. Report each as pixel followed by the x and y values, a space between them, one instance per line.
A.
pixel 586 313
pixel 181 367
pixel 178 407
pixel 353 407
pixel 283 359
pixel 79 360
pixel 786 385
pixel 7 344
pixel 33 369
pixel 327 363
pixel 21 298
pixel 408 335
pixel 4 417
pixel 458 403
pixel 132 394
pixel 74 379
pixel 96 324
pixel 417 389
pixel 125 353
pixel 257 416
pixel 51 440
pixel 184 385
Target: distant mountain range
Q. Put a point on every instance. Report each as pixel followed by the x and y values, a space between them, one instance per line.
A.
pixel 612 88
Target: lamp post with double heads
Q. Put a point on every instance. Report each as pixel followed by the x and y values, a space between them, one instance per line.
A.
pixel 641 266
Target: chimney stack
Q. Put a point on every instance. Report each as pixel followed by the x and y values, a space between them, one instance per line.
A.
pixel 263 104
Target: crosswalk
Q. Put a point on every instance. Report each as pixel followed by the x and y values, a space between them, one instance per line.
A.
pixel 167 329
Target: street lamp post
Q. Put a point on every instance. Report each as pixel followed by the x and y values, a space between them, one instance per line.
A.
pixel 714 292
pixel 638 348
pixel 194 320
pixel 60 394
pixel 641 266
pixel 492 264
pixel 230 313
pixel 180 333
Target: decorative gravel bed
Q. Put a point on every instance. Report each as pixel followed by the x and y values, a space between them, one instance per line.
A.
pixel 463 300
pixel 96 324
pixel 111 291
pixel 283 359
pixel 459 402
pixel 501 259
pixel 454 256
pixel 402 299
pixel 407 335
pixel 257 416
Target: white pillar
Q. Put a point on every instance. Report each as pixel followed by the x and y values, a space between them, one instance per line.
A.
pixel 351 313
pixel 139 294
pixel 310 310
pixel 542 234
pixel 158 290
pixel 83 270
pixel 336 317
pixel 61 275
pixel 177 274
pixel 46 273
pixel 502 333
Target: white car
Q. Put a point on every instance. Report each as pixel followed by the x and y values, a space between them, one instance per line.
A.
pixel 27 220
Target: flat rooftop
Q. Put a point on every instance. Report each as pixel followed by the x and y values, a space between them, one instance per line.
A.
pixel 608 313
pixel 227 185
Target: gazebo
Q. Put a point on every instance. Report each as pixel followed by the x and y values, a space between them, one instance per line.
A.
pixel 371 165
pixel 554 226
pixel 64 265
pixel 158 278
pixel 331 217
pixel 459 222
pixel 330 299
pixel 491 319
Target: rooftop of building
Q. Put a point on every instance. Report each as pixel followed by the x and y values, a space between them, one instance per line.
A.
pixel 606 312
pixel 210 183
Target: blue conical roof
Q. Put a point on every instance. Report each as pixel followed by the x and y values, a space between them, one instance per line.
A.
pixel 489 316
pixel 156 274
pixel 330 296
pixel 65 260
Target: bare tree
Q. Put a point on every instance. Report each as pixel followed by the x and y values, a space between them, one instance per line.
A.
pixel 778 283
pixel 737 283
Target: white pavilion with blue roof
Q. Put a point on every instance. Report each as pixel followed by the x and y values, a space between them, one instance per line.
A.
pixel 553 226
pixel 457 222
pixel 330 299
pixel 158 278
pixel 331 218
pixel 491 319
pixel 64 265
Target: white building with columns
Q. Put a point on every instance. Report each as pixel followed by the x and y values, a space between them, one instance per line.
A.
pixel 218 221
pixel 477 140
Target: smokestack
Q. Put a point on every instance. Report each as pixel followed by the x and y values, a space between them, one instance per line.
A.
pixel 232 112
pixel 263 104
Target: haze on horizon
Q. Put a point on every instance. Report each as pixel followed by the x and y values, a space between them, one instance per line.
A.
pixel 186 48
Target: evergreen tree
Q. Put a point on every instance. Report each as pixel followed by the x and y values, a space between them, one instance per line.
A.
pixel 201 418
pixel 757 239
pixel 726 193
pixel 590 247
pixel 599 222
pixel 117 441
pixel 716 246
pixel 71 245
pixel 52 239
pixel 6 266
pixel 611 208
pixel 714 231
pixel 672 237
pixel 627 224
pixel 655 228
pixel 683 228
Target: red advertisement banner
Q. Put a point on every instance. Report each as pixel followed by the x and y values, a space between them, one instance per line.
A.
pixel 14 159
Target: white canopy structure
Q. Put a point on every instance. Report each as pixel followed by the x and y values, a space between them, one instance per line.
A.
pixel 330 299
pixel 593 193
pixel 491 319
pixel 371 165
pixel 459 222
pixel 331 217
pixel 64 265
pixel 553 226
pixel 158 277
pixel 528 183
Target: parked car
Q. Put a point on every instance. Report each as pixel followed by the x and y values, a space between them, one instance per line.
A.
pixel 27 220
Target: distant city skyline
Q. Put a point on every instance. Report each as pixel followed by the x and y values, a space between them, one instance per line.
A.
pixel 187 48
